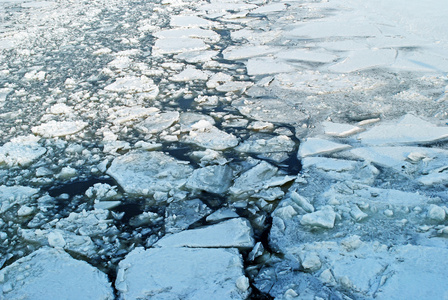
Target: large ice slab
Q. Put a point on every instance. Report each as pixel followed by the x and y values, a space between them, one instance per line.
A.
pixel 233 233
pixel 320 29
pixel 179 45
pixel 144 173
pixel 158 122
pixel 409 130
pixel 280 143
pixel 267 65
pixel 49 274
pixel 182 273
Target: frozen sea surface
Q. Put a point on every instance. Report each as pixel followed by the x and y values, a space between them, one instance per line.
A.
pixel 233 149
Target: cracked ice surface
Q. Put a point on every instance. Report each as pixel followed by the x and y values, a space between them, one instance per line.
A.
pixel 230 149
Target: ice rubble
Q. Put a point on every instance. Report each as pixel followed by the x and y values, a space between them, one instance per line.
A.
pixel 49 274
pixel 365 218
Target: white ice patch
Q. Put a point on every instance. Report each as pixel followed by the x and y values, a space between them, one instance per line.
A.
pixel 58 129
pixel 317 146
pixel 365 59
pixel 144 173
pixel 21 151
pixel 212 272
pixel 245 52
pixel 280 143
pixel 190 74
pixel 233 233
pixel 306 55
pixel 213 179
pixel 267 65
pixel 11 195
pixel 340 130
pixel 158 122
pixel 122 114
pixel 30 276
pixel 191 21
pixel 178 45
pixel 133 85
pixel 204 134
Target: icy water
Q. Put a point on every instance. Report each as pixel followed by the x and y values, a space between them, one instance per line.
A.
pixel 246 127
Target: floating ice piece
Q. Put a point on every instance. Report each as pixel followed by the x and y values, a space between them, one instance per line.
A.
pixel 262 176
pixel 204 134
pixel 318 29
pixel 133 85
pixel 144 173
pixel 340 130
pixel 93 223
pixel 123 114
pixel 233 233
pixel 317 146
pixel 37 4
pixel 365 59
pixel 436 213
pixel 306 55
pixel 222 214
pixel 156 123
pixel 21 151
pixel 245 52
pixel 178 45
pixel 231 6
pixel 35 75
pixel 269 8
pixel 280 143
pixel 56 238
pixel 434 178
pixel 189 74
pixel 187 120
pixel 234 86
pixel 192 33
pixel 270 110
pixel 409 130
pixel 197 57
pixel 212 272
pixel 267 65
pixel 213 179
pixel 181 214
pixel 29 277
pixel 11 195
pixel 58 129
pixel 191 21
pixel 324 218
pixel 4 92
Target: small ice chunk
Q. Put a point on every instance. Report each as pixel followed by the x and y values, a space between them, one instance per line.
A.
pixel 222 214
pixel 122 114
pixel 134 85
pixel 11 195
pixel 302 202
pixel 233 233
pixel 30 276
pixel 58 129
pixel 189 74
pixel 204 134
pixel 25 211
pixel 357 213
pixel 317 146
pixel 158 122
pixel 213 179
pixel 324 218
pixel 436 213
pixel 181 214
pixel 311 262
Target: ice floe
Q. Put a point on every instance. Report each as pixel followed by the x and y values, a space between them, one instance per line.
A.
pixel 29 277
pixel 214 273
pixel 143 172
pixel 58 129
